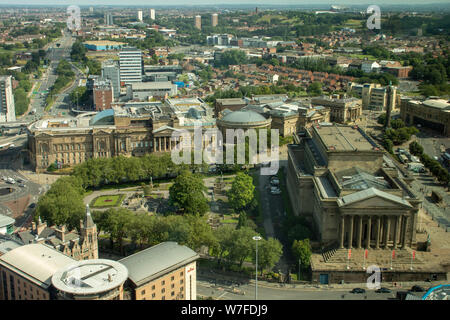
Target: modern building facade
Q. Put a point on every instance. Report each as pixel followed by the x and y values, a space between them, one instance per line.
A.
pixel 166 271
pixel 7 106
pixel 375 97
pixel 198 22
pixel 214 19
pixel 152 14
pixel 430 113
pixel 131 66
pixel 140 16
pixel 109 19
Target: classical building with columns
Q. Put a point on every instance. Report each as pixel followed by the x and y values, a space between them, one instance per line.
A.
pixel 128 129
pixel 338 181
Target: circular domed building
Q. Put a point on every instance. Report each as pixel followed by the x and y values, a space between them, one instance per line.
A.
pixel 242 119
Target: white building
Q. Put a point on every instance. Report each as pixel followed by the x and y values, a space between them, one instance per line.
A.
pixel 152 14
pixel 139 15
pixel 143 91
pixel 7 106
pixel 370 66
pixel 130 62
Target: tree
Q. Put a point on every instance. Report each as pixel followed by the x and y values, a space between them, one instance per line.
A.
pixel 224 236
pixel 187 194
pixel 242 191
pixel 298 232
pixel 315 89
pixel 415 148
pixel 269 253
pixel 241 245
pixel 301 250
pixel 118 225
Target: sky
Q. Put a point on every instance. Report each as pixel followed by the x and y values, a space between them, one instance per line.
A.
pixel 215 2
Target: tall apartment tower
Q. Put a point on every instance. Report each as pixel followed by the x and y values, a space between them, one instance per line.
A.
pixel 7 106
pixel 130 65
pixel 88 233
pixel 214 19
pixel 152 14
pixel 140 16
pixel 103 94
pixel 110 70
pixel 198 22
pixel 109 19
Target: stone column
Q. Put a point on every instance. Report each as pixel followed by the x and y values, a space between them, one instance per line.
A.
pixel 165 143
pixel 358 242
pixel 342 231
pixel 378 232
pixel 159 144
pixel 350 238
pixel 405 225
pixel 369 226
pixel 388 230
pixel 396 230
pixel 154 144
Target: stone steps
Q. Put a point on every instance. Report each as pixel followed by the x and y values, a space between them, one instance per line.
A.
pixel 380 256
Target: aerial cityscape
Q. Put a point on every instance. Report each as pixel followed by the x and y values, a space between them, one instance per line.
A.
pixel 225 152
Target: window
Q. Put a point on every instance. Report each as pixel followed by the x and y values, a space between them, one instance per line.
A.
pixel 153 295
pixel 163 290
pixel 181 281
pixel 172 293
pixel 181 289
pixel 172 286
pixel 172 278
pixel 163 282
pixel 153 287
pixel 181 273
pixel 163 298
pixel 143 292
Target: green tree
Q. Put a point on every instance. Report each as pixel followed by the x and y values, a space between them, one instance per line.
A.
pixel 187 194
pixel 415 149
pixel 298 232
pixel 118 224
pixel 301 250
pixel 224 236
pixel 242 191
pixel 269 253
pixel 315 89
pixel 241 246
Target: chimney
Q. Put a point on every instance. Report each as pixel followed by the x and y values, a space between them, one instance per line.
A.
pixel 40 226
pixel 60 233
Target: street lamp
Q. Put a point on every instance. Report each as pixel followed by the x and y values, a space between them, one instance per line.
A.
pixel 256 238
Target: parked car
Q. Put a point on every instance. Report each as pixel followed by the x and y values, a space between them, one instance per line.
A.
pixel 383 290
pixel 417 289
pixel 21 185
pixel 275 190
pixel 275 182
pixel 358 290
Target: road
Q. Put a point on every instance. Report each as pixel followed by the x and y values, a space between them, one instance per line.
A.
pixel 222 291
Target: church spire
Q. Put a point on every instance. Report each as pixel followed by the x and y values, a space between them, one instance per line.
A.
pixel 88 222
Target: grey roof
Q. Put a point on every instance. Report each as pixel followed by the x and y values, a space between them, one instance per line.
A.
pixel 6 221
pixel 243 117
pixel 369 193
pixel 438 104
pixel 157 260
pixel 36 262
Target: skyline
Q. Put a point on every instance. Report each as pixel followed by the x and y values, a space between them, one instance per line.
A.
pixel 221 3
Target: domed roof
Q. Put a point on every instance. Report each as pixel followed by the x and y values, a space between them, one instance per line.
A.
pixel 243 117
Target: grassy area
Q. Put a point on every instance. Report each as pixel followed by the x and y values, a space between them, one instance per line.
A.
pixel 232 220
pixel 107 201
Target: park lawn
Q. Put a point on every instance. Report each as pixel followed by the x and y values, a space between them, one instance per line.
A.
pixel 107 201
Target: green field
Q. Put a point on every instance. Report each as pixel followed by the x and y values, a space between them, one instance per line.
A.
pixel 107 201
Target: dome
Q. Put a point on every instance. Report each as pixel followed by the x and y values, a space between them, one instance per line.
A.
pixel 105 117
pixel 243 117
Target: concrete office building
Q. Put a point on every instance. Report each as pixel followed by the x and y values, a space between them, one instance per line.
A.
pixel 198 22
pixel 140 16
pixel 166 271
pixel 214 19
pixel 430 113
pixel 130 62
pixel 7 106
pixel 143 91
pixel 375 97
pixel 109 19
pixel 98 279
pixel 152 14
pixel 111 71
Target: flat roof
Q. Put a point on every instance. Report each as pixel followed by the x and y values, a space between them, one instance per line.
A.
pixel 104 42
pixel 6 221
pixel 343 138
pixel 90 276
pixel 36 262
pixel 152 85
pixel 157 260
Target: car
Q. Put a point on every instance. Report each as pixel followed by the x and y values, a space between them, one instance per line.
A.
pixel 275 191
pixel 383 290
pixel 358 290
pixel 275 182
pixel 417 289
pixel 21 185
pixel 32 205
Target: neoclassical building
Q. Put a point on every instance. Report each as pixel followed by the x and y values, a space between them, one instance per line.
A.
pixel 338 180
pixel 131 129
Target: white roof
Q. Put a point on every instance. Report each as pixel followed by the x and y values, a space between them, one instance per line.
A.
pixel 36 262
